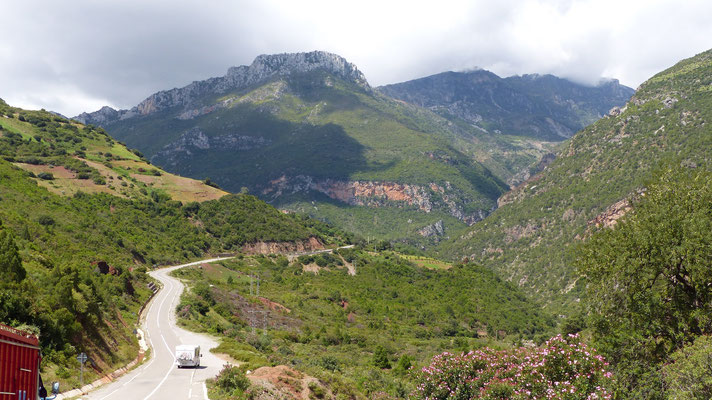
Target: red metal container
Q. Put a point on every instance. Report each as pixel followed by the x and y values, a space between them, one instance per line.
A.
pixel 19 364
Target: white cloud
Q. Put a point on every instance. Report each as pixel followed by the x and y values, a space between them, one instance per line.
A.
pixel 74 59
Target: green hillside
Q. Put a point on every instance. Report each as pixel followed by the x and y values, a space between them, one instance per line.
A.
pixel 301 139
pixel 330 315
pixel 528 239
pixel 58 228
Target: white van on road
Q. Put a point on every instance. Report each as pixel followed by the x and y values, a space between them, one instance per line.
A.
pixel 188 355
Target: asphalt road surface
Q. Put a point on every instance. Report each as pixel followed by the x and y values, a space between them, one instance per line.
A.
pixel 159 378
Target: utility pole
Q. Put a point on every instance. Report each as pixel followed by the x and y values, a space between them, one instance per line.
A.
pixel 252 319
pixel 82 358
pixel 264 322
pixel 258 286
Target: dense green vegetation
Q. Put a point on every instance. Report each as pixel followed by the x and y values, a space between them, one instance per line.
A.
pixel 231 383
pixel 359 332
pixel 240 219
pixel 528 238
pixel 52 245
pixel 649 282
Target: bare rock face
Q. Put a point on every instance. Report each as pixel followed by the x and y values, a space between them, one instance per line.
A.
pixel 613 213
pixel 379 194
pixel 431 230
pixel 263 68
pixel 195 140
pixel 359 192
pixel 299 246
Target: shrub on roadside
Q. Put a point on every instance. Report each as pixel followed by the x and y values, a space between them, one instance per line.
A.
pixel 563 368
pixel 232 382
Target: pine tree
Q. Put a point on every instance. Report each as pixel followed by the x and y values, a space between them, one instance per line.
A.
pixel 10 262
pixel 380 358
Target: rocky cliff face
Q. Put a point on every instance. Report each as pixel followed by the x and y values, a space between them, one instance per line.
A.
pixel 267 66
pixel 195 140
pixel 263 68
pixel 379 194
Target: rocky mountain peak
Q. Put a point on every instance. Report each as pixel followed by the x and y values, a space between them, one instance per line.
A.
pixel 263 68
pixel 267 66
pixel 103 115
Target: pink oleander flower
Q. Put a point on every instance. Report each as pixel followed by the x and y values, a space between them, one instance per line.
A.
pixel 563 368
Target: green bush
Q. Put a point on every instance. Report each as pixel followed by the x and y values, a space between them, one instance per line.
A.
pixel 404 364
pixel 232 380
pixel 46 176
pixel 317 391
pixel 45 220
pixel 329 363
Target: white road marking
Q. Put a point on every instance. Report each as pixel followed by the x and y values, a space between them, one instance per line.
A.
pixel 205 392
pixel 160 384
pixel 168 347
pixel 160 307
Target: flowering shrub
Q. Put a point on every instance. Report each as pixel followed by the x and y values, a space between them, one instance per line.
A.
pixel 563 369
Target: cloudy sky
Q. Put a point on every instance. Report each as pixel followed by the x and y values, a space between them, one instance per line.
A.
pixel 74 56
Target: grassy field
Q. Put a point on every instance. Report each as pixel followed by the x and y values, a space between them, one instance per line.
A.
pixel 67 158
pixel 427 262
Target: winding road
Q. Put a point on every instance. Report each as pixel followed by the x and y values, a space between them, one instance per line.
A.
pixel 159 378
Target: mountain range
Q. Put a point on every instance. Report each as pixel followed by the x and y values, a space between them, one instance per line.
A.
pixel 539 106
pixel 307 133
